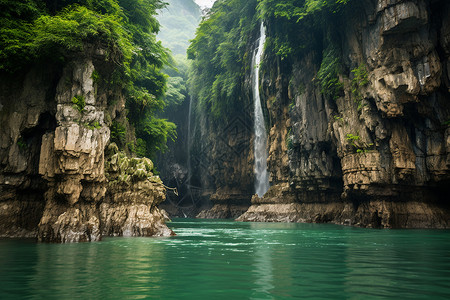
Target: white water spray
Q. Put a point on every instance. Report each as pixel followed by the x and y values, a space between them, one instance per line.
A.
pixel 262 177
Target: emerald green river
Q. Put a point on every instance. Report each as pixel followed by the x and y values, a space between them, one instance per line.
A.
pixel 216 259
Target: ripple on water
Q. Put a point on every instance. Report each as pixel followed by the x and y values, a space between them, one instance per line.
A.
pixel 224 259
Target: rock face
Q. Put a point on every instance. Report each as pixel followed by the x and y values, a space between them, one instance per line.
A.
pixel 378 154
pixel 222 159
pixel 130 207
pixel 52 175
pixel 221 154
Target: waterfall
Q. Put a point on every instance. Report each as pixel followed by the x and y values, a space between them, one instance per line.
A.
pixel 262 177
pixel 189 143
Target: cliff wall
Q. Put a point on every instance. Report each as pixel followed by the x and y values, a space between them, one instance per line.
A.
pixel 53 185
pixel 356 101
pixel 377 154
pixel 222 159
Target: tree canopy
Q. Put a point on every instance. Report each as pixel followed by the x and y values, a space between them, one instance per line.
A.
pixel 220 50
pixel 220 55
pixel 33 30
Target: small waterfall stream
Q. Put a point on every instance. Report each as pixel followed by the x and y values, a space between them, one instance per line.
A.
pixel 189 144
pixel 260 147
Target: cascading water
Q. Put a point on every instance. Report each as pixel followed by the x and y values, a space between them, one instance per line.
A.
pixel 189 143
pixel 262 177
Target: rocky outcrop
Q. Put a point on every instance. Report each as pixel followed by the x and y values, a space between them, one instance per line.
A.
pixel 377 155
pixel 130 207
pixel 52 175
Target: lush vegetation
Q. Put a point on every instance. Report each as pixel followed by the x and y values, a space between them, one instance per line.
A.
pixel 359 146
pixel 360 79
pixel 220 50
pixel 179 21
pixel 43 30
pixel 297 10
pixel 297 25
pixel 220 55
pixel 328 74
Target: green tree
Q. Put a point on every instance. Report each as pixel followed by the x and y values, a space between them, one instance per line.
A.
pixel 126 29
pixel 220 57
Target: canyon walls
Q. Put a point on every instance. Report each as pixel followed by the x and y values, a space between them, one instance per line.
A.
pixel 221 152
pixel 358 121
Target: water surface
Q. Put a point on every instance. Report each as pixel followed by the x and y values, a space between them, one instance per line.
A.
pixel 232 260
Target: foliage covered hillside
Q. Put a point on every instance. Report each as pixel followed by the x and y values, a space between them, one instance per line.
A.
pixel 220 49
pixel 178 23
pixel 179 20
pixel 219 54
pixel 33 31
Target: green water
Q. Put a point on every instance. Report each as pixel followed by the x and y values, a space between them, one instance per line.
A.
pixel 230 260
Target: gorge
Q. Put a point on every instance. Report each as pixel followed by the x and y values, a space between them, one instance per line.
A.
pixel 355 98
pixel 271 149
pixel 349 100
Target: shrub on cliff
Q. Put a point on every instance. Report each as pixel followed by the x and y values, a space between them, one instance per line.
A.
pixel 297 25
pixel 34 30
pixel 220 49
pixel 219 54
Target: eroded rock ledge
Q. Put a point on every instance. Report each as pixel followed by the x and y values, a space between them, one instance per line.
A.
pixel 53 182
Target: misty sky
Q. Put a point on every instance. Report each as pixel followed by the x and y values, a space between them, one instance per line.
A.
pixel 204 3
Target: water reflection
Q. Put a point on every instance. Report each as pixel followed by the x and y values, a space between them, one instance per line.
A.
pixel 263 273
pixel 98 270
pixel 17 258
pixel 387 261
pixel 234 260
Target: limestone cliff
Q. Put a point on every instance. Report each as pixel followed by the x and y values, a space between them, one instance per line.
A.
pixel 54 122
pixel 357 119
pixel 378 154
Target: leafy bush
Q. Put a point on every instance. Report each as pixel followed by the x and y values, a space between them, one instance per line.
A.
pixel 55 31
pixel 296 24
pixel 75 25
pixel 298 9
pixel 328 74
pixel 93 125
pixel 79 103
pixel 141 148
pixel 23 146
pixel 155 132
pixel 289 142
pixel 360 147
pixel 360 79
pixel 220 57
pixel 118 134
pixel 176 91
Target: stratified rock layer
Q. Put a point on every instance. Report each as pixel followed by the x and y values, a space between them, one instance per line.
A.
pixel 52 175
pixel 378 155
